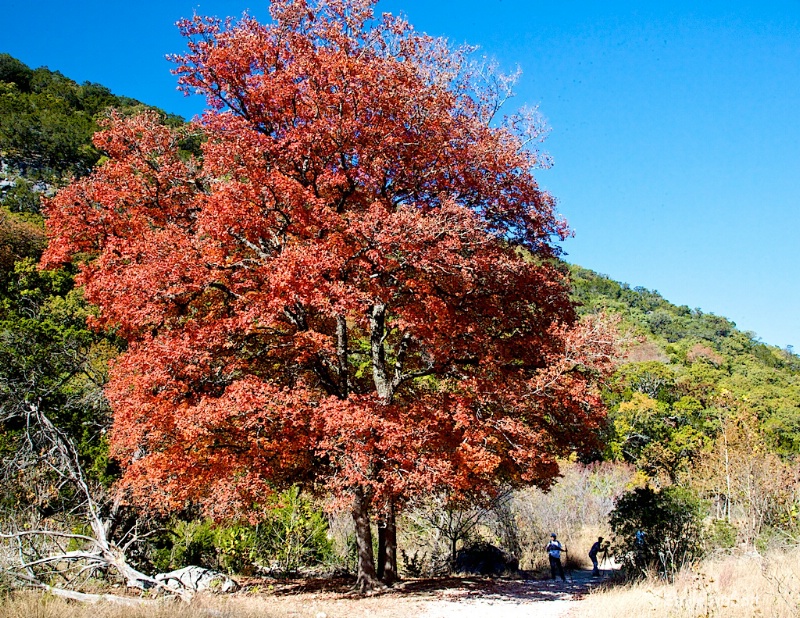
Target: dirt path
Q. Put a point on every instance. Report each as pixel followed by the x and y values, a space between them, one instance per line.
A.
pixel 511 599
pixel 456 597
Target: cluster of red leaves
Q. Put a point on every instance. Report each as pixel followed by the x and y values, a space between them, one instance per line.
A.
pixel 353 284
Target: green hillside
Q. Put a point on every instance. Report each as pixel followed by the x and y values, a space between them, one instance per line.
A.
pixel 46 125
pixel 48 356
pixel 683 374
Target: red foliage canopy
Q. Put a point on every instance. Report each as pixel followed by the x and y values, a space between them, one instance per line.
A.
pixel 355 281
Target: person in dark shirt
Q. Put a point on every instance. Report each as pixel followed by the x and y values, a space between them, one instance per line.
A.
pixel 593 555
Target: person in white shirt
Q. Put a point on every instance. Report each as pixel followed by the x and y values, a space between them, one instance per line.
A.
pixel 554 549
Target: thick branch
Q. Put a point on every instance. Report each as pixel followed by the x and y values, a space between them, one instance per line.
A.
pixel 95 598
pixel 329 382
pixel 377 323
pixel 250 245
pixel 342 351
pixel 297 316
pixel 399 376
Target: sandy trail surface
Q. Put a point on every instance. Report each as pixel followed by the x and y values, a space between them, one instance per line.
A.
pixel 511 599
pixel 461 597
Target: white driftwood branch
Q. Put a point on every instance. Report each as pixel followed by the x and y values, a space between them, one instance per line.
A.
pixel 102 552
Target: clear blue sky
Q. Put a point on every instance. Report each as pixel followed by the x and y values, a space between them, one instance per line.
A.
pixel 675 127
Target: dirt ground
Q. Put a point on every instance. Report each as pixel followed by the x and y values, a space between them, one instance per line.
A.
pixel 439 598
pixel 512 599
pixel 462 597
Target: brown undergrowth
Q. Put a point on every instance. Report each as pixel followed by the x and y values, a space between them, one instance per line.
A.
pixel 729 586
pixel 302 605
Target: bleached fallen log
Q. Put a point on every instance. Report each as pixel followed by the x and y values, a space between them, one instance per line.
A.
pixel 197 579
pixel 85 597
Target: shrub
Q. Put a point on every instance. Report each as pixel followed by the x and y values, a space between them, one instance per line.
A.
pixel 239 548
pixel 185 543
pixel 295 533
pixel 722 534
pixel 656 530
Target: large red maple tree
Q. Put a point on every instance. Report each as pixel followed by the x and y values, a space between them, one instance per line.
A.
pixel 354 284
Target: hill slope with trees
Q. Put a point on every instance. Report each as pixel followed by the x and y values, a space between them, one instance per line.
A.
pixel 690 356
pixel 46 126
pixel 699 403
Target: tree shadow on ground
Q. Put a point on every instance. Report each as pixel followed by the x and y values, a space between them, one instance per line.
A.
pixel 524 587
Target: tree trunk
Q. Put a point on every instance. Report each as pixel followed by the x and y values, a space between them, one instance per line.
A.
pixel 377 325
pixel 367 577
pixel 387 547
pixel 389 563
pixel 381 548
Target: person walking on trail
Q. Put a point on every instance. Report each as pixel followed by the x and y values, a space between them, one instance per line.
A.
pixel 554 549
pixel 593 556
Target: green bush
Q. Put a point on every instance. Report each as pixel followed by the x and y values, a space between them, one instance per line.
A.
pixel 772 539
pixel 722 534
pixel 656 530
pixel 239 549
pixel 295 532
pixel 186 543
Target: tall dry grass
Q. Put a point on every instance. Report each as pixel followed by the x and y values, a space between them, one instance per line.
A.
pixel 734 586
pixel 576 509
pixel 35 605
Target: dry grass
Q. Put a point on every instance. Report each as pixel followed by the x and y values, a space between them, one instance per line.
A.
pixel 33 605
pixel 740 586
pixel 299 598
pixel 578 544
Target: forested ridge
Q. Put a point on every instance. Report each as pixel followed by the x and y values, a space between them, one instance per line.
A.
pixel 690 389
pixel 686 362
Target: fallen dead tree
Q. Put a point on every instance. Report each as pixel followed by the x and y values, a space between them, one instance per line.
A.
pixel 61 530
pixel 83 597
pixel 60 561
